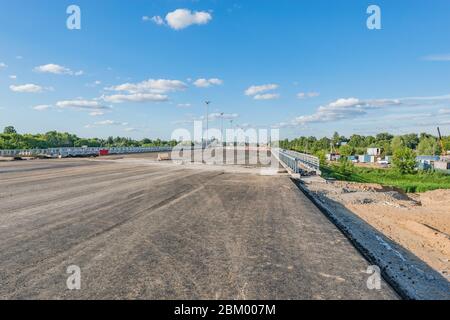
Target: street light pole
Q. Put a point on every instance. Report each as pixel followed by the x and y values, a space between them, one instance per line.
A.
pixel 232 129
pixel 207 103
pixel 221 127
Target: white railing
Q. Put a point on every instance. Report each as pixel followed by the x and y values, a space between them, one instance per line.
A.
pixel 295 160
pixel 289 161
pixel 73 152
pixel 307 160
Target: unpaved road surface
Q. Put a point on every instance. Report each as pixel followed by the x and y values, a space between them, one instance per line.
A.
pixel 143 230
pixel 418 222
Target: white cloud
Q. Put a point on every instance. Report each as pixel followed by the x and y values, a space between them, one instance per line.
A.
pixel 155 19
pixel 81 105
pixel 266 96
pixel 56 69
pixel 211 117
pixel 42 107
pixel 433 98
pixel 225 116
pixel 205 83
pixel 3 65
pixel 96 113
pixel 131 129
pixel 281 125
pixel 146 91
pixel 13 77
pixel 303 95
pixel 437 57
pixel 400 116
pixel 110 123
pixel 94 84
pixel 351 108
pixel 151 86
pixel 26 88
pixel 184 122
pixel 183 18
pixel 253 90
pixel 136 97
pixel 158 20
pixel 341 109
pixel 106 123
pixel 184 105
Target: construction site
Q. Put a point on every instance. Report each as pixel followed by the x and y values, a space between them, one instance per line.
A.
pixel 224 159
pixel 143 226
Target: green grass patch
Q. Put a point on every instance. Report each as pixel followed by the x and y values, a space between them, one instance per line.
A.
pixel 420 182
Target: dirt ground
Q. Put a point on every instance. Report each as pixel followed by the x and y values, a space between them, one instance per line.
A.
pixel 418 222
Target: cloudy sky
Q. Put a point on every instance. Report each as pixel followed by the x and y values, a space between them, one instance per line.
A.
pixel 145 69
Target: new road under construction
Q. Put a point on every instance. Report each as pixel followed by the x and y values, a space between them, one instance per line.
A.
pixel 140 228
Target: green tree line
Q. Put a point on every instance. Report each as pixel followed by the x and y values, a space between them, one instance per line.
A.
pixel 10 140
pixel 422 144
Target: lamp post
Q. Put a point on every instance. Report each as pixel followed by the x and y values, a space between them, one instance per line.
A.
pixel 221 127
pixel 232 129
pixel 207 103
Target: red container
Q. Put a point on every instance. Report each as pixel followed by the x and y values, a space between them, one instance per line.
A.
pixel 104 152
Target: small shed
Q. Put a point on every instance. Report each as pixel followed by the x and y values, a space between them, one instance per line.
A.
pixel 333 156
pixel 427 159
pixel 374 151
pixel 442 165
pixel 365 158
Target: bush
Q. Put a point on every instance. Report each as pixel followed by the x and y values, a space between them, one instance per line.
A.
pixel 404 160
pixel 417 182
pixel 345 167
pixel 322 158
pixel 346 150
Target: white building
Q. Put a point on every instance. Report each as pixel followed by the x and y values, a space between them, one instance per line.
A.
pixel 374 151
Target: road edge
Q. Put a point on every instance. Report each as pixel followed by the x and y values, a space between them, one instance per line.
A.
pixel 409 276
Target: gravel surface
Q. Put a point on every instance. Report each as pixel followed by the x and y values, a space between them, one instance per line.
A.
pixel 145 230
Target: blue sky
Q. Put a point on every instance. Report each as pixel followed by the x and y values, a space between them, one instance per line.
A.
pixel 143 68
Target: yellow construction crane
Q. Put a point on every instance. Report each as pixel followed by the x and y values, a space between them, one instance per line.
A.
pixel 444 152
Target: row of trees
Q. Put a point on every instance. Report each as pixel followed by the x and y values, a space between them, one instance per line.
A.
pixel 422 144
pixel 10 139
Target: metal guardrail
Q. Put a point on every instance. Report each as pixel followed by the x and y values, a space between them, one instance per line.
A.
pixel 294 159
pixel 307 160
pixel 73 152
pixel 289 160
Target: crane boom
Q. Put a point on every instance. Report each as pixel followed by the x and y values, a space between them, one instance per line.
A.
pixel 443 153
